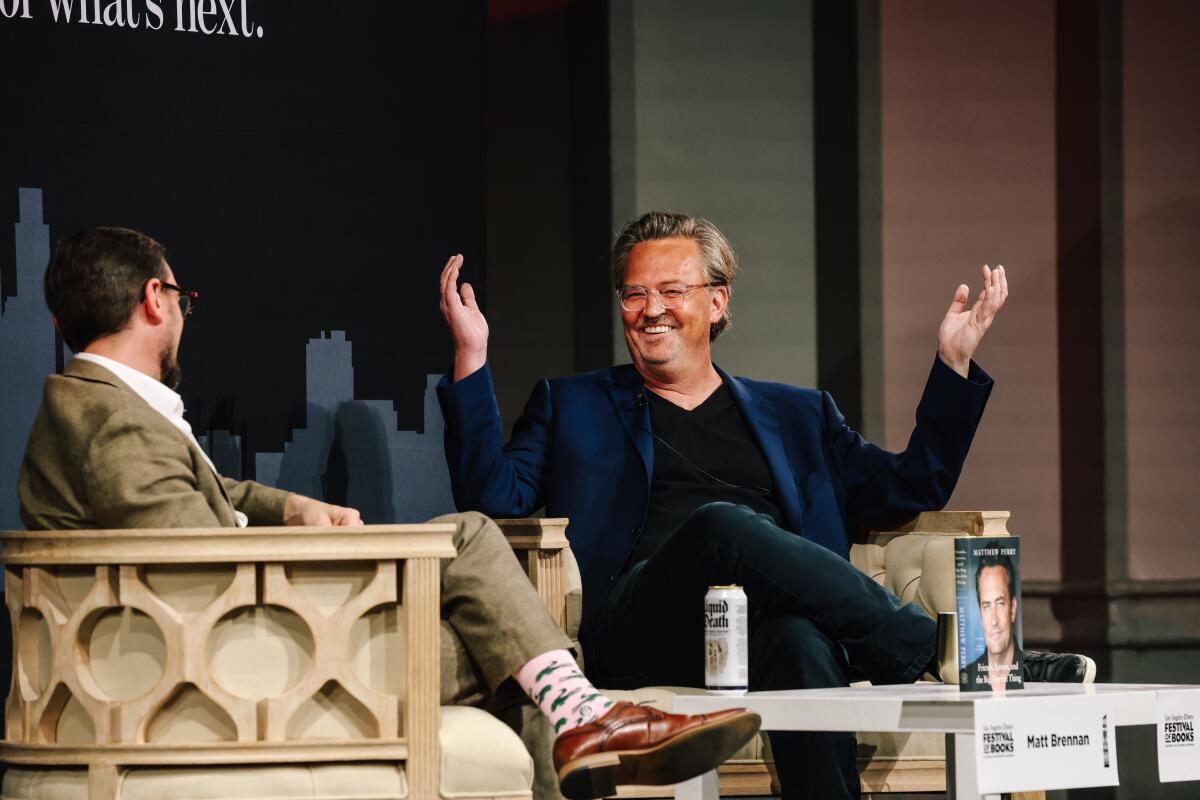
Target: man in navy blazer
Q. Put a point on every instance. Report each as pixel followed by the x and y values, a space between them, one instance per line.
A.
pixel 677 476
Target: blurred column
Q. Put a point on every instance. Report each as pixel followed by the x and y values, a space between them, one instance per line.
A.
pixel 712 115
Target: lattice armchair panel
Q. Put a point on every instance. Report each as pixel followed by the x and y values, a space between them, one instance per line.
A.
pixel 281 643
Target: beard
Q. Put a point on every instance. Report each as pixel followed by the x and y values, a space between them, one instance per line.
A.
pixel 168 368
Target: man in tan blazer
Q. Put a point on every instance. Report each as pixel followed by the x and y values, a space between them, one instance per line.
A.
pixel 110 448
pixel 100 455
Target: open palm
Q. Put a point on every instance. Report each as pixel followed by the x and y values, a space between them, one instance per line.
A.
pixel 962 327
pixel 468 327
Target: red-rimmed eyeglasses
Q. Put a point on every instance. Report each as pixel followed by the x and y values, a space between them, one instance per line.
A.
pixel 187 299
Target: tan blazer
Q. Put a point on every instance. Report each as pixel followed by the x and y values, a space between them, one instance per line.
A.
pixel 100 457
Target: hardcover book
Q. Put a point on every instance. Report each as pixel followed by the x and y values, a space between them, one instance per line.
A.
pixel 987 581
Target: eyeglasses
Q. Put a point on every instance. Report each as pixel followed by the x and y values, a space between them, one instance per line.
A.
pixel 187 300
pixel 634 298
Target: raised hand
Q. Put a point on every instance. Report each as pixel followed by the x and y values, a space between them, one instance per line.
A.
pixel 467 325
pixel 963 327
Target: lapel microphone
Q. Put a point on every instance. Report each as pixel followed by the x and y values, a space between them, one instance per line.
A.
pixel 639 402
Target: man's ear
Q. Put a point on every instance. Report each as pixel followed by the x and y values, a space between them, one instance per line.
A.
pixel 719 302
pixel 151 304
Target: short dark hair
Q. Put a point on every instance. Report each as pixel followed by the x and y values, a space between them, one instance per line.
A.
pixel 1002 561
pixel 95 280
pixel 719 261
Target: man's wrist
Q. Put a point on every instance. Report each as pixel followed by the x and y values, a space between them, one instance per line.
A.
pixel 293 509
pixel 468 364
pixel 960 365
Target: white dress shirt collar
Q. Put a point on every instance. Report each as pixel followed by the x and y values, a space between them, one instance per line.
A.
pixel 154 392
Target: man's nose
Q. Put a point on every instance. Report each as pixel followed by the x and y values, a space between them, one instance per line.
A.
pixel 654 305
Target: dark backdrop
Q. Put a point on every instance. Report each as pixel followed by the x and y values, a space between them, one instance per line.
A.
pixel 312 179
pixel 315 178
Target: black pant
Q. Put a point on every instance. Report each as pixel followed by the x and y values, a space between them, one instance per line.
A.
pixel 812 616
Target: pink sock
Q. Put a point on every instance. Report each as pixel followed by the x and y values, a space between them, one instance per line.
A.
pixel 556 684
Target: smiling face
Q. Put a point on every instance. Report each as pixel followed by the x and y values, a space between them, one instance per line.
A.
pixel 999 612
pixel 671 339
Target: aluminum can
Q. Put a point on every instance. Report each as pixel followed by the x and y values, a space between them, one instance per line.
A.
pixel 726 640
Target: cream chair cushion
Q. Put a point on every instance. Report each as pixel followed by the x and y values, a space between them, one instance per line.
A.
pixel 481 757
pixel 574 599
pixel 916 567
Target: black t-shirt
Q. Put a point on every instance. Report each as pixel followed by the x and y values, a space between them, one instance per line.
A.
pixel 701 456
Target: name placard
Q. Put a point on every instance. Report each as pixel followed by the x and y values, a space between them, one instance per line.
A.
pixel 1031 743
pixel 1178 746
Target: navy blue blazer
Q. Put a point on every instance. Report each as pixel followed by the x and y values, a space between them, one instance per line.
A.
pixel 584 450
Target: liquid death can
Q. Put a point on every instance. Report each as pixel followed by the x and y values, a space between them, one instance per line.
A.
pixel 726 640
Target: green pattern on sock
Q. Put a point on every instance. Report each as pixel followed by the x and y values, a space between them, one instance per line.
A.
pixel 548 670
pixel 558 686
pixel 562 698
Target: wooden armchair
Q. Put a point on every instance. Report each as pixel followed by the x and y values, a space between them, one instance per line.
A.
pixel 261 662
pixel 915 561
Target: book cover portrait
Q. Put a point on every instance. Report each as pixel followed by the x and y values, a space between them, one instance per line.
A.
pixel 988 588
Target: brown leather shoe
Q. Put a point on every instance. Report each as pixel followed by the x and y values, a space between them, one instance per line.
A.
pixel 642 745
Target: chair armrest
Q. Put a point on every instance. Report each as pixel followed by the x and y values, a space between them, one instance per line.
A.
pixel 916 560
pixel 535 533
pixel 954 523
pixel 542 546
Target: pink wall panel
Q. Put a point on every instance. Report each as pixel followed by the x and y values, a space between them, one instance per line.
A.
pixel 1162 252
pixel 967 99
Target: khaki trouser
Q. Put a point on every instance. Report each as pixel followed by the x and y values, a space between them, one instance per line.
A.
pixel 493 622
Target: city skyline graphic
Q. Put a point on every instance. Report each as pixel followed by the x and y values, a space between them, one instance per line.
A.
pixel 349 451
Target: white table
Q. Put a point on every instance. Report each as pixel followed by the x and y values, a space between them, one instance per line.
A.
pixel 920 707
